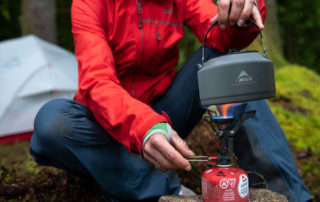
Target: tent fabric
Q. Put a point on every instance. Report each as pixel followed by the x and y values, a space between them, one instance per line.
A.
pixel 32 72
pixel 15 138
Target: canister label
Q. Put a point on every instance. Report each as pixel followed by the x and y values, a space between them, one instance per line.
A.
pixel 243 186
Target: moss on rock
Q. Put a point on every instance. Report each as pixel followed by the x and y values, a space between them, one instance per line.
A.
pixel 297 106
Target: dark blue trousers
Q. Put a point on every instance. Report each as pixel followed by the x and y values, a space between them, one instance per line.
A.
pixel 67 136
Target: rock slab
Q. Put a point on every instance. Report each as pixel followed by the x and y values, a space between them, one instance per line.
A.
pixel 256 195
pixel 265 195
pixel 196 198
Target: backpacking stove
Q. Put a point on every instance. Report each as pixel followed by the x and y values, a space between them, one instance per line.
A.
pixel 224 182
pixel 225 128
pixel 232 78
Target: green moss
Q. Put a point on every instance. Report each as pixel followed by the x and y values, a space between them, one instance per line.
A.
pixel 297 106
pixel 31 167
pixel 53 198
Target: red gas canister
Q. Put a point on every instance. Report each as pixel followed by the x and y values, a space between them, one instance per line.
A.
pixel 225 184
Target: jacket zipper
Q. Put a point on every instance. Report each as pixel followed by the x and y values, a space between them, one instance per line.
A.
pixel 140 25
pixel 157 31
pixel 139 7
pixel 142 39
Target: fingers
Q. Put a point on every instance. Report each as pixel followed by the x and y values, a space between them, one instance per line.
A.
pixel 159 149
pixel 246 12
pixel 181 145
pixel 164 164
pixel 149 159
pixel 236 11
pixel 214 19
pixel 257 17
pixel 223 13
pixel 172 155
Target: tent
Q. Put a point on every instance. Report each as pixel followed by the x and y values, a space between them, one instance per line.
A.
pixel 32 72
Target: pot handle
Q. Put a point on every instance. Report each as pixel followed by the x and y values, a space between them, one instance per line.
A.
pixel 215 23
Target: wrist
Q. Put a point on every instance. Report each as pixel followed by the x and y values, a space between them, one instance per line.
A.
pixel 162 128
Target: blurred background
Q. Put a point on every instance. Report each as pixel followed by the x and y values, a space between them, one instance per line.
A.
pixel 292 39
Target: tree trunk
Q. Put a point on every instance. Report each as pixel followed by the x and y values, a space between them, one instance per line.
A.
pixel 271 35
pixel 272 25
pixel 38 18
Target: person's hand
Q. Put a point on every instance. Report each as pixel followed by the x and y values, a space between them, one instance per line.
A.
pixel 237 12
pixel 167 156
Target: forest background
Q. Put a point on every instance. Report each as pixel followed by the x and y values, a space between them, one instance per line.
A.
pixel 291 34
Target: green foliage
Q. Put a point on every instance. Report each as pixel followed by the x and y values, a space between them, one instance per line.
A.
pixel 188 45
pixel 10 12
pixel 297 106
pixel 300 28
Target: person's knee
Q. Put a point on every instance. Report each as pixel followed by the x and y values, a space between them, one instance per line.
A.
pixel 52 121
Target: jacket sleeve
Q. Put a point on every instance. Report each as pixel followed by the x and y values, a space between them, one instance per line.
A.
pixel 122 116
pixel 197 14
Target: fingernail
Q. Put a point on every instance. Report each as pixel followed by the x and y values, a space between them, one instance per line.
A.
pixel 240 23
pixel 191 152
pixel 222 26
pixel 188 168
pixel 231 23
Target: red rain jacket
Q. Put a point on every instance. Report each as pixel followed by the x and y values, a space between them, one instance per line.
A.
pixel 127 51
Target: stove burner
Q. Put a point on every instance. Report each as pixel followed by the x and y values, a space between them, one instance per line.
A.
pixel 226 127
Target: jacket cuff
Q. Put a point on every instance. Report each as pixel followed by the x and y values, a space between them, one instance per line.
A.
pixel 137 142
pixel 167 117
pixel 162 127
